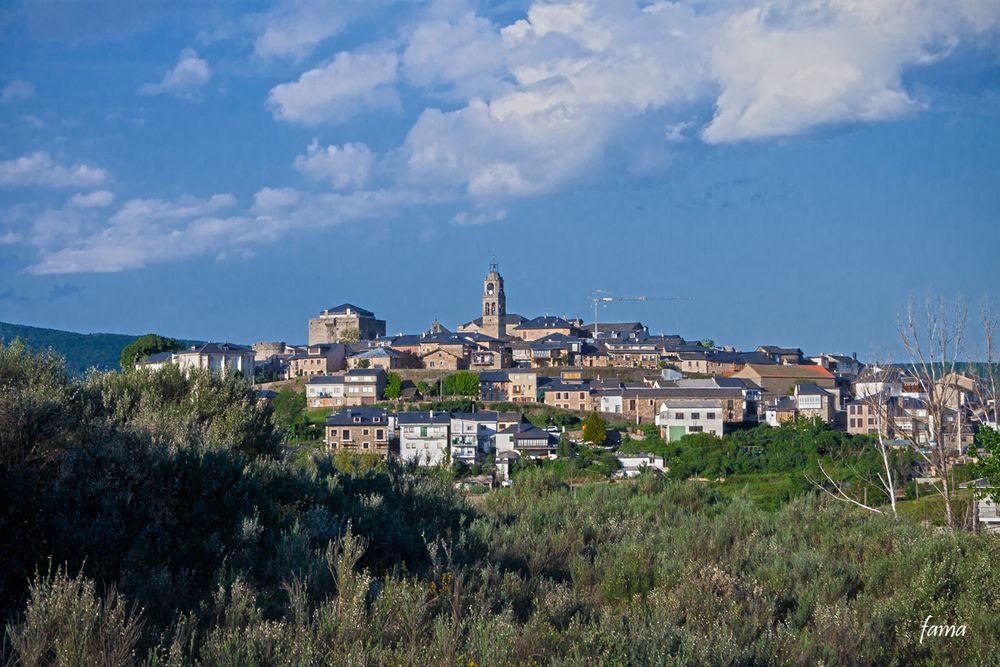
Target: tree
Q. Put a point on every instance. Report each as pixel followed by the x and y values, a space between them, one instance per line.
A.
pixel 364 363
pixel 393 386
pixel 934 340
pixel 595 431
pixel 987 465
pixel 147 345
pixel 565 448
pixel 351 335
pixel 462 383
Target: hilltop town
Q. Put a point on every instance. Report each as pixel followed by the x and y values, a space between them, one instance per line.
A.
pixel 375 389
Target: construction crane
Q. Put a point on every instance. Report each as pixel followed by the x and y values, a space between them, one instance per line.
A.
pixel 600 297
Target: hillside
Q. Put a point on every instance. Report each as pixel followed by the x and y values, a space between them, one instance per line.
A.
pixel 82 351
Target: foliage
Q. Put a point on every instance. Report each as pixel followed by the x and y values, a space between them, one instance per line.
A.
pixel 349 336
pixel 987 465
pixel 364 363
pixel 594 429
pixel 81 351
pixel 393 386
pixel 425 389
pixel 462 383
pixel 565 448
pixel 145 346
pixel 193 548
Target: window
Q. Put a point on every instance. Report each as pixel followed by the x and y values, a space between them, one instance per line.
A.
pixel 582 396
pixel 380 434
pixel 365 432
pixel 423 431
pixel 345 434
pixel 695 415
pixel 695 429
pixel 710 415
pixel 366 445
pixel 678 415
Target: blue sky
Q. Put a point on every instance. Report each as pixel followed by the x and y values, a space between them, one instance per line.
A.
pixel 798 169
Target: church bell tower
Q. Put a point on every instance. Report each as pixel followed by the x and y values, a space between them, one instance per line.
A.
pixel 494 304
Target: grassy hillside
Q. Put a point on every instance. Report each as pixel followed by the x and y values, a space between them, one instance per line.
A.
pixel 82 351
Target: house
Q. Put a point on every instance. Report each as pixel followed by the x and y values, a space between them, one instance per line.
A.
pixel 872 414
pixel 568 394
pixel 679 417
pixel 552 350
pixel 223 359
pixel 632 465
pixel 515 386
pixel 633 353
pixel 365 430
pixel 781 411
pixel 472 435
pixel 987 508
pixel 357 387
pixel 839 364
pixel 319 359
pixel 615 330
pixel 540 327
pixel 442 359
pixel 423 438
pixel 334 323
pixel 526 440
pixel 782 355
pixel 813 402
pixel 505 464
pixel 385 358
pixel 780 380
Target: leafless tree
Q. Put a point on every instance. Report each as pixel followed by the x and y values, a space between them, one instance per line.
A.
pixel 934 339
pixel 878 407
pixel 987 373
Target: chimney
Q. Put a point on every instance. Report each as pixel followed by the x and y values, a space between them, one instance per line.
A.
pixel 432 414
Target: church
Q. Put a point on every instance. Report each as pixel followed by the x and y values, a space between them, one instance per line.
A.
pixel 494 321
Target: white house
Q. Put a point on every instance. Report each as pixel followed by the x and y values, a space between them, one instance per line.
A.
pixel 526 440
pixel 633 464
pixel 472 435
pixel 679 417
pixel 219 358
pixel 423 437
pixel 610 401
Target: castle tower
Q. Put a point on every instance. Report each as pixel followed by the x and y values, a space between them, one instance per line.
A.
pixel 494 304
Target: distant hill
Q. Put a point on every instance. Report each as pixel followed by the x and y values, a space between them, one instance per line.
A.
pixel 82 351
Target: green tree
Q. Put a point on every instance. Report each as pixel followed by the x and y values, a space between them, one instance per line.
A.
pixel 565 448
pixel 987 451
pixel 595 431
pixel 462 383
pixel 393 386
pixel 147 345
pixel 350 336
pixel 364 363
pixel 288 409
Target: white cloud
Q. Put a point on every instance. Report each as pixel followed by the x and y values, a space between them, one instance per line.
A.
pixel 295 27
pixel 17 91
pixel 347 85
pixel 140 232
pixel 185 79
pixel 10 238
pixel 467 219
pixel 95 199
pixel 39 170
pixel 344 167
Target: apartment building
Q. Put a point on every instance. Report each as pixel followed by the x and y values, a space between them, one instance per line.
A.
pixel 364 430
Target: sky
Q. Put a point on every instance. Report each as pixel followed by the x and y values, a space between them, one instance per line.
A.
pixel 797 171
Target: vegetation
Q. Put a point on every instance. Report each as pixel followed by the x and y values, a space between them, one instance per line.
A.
pixel 393 386
pixel 145 346
pixel 462 383
pixel 364 363
pixel 349 336
pixel 595 430
pixel 987 466
pixel 81 351
pixel 158 520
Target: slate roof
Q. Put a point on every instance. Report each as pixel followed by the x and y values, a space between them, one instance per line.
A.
pixel 791 372
pixel 809 389
pixel 545 322
pixel 158 358
pixel 216 348
pixel 412 418
pixel 344 307
pixel 367 416
pixel 510 319
pixel 494 376
pixel 483 415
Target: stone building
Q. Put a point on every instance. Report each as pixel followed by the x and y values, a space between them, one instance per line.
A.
pixel 333 323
